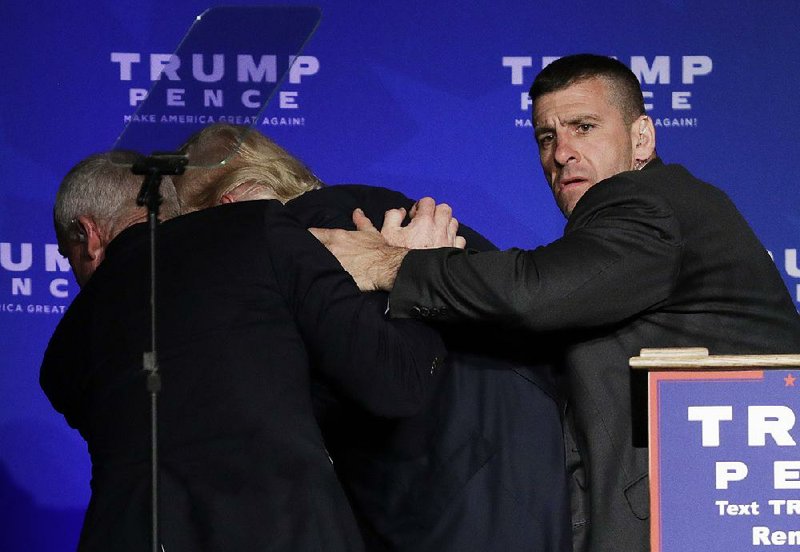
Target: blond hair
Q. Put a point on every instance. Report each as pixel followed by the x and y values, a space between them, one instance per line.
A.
pixel 222 157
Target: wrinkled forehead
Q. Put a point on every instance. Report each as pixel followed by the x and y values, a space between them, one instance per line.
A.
pixel 590 97
pixel 611 93
pixel 599 85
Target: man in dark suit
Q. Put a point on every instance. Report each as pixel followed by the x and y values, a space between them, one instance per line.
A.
pixel 650 257
pixel 248 304
pixel 481 466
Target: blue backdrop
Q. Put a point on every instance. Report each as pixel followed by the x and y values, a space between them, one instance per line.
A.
pixel 425 97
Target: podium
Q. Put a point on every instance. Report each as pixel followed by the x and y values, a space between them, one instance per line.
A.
pixel 723 450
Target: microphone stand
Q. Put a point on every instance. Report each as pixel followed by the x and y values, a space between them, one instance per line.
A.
pixel 153 168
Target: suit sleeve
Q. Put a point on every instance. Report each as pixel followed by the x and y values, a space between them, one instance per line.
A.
pixel 620 256
pixel 386 366
pixel 332 207
pixel 63 374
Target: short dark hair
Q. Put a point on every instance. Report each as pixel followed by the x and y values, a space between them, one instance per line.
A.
pixel 566 71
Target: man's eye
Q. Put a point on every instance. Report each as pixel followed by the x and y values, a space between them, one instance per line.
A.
pixel 545 139
pixel 585 127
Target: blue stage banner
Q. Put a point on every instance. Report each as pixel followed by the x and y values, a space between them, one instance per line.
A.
pixel 428 98
pixel 724 463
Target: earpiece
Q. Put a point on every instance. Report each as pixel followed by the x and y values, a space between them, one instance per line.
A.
pixel 642 129
pixel 77 231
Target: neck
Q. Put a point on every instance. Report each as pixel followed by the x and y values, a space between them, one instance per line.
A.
pixel 125 221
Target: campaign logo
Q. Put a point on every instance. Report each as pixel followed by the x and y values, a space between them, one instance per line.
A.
pixel 200 89
pixel 35 279
pixel 667 85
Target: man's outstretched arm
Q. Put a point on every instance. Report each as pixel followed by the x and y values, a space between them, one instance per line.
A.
pixel 373 258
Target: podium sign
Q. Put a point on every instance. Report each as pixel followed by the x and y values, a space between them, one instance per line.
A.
pixel 724 460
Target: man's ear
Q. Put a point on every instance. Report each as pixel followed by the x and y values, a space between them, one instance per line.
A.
pixel 643 138
pixel 233 195
pixel 92 241
pixel 247 191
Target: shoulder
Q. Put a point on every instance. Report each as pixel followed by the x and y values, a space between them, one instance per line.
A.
pixel 368 193
pixel 656 186
pixel 625 194
pixel 630 203
pixel 668 180
pixel 670 185
pixel 224 218
pixel 227 211
pixel 332 206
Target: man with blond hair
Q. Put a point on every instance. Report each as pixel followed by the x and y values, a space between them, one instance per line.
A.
pixel 481 467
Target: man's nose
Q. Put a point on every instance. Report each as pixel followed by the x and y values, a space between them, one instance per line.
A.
pixel 565 149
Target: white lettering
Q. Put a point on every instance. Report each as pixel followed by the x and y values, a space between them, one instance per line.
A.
pixel 682 122
pixel 727 472
pixel 547 60
pixel 773 420
pixel 728 509
pixel 657 73
pixel 792 507
pixel 125 60
pixel 709 418
pixel 217 68
pixel 21 286
pixel 787 474
pixel 517 64
pixel 166 64
pixel 58 288
pixel 136 95
pixel 680 100
pixel 175 97
pixel 288 100
pixel 790 262
pixel 763 535
pixel 282 121
pixel 525 101
pixel 248 71
pixel 302 66
pixel 212 97
pixel 247 100
pixel 53 260
pixel 695 66
pixel 26 257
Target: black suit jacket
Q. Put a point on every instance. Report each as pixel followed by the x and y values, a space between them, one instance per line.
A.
pixel 651 258
pixel 481 467
pixel 248 300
